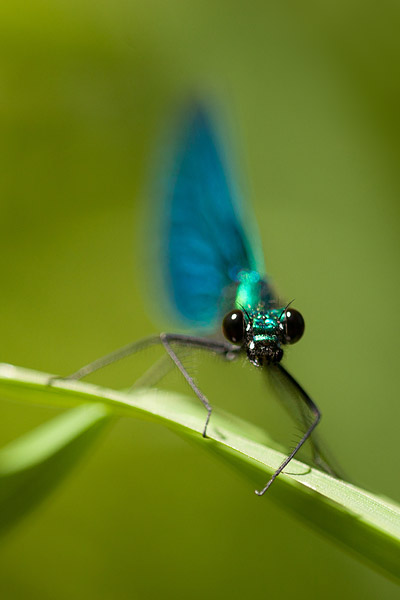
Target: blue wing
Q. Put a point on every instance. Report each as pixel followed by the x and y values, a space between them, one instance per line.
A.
pixel 203 241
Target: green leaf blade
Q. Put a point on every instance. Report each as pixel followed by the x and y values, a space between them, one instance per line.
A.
pixel 32 465
pixel 360 521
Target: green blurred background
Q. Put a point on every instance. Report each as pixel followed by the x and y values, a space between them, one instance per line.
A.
pixel 311 95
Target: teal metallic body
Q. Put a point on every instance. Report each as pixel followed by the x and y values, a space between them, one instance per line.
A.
pixel 264 324
pixel 248 291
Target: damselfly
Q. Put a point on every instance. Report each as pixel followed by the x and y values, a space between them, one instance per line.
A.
pixel 214 276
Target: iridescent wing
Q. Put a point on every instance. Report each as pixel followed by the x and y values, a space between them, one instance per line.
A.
pixel 203 241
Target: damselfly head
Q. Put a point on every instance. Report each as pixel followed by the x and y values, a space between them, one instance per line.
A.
pixel 262 333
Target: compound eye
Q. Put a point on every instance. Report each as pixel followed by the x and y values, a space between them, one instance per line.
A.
pixel 294 325
pixel 233 326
